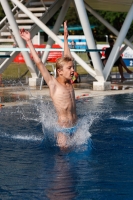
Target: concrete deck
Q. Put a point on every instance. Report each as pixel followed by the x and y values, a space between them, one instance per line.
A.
pixel 16 95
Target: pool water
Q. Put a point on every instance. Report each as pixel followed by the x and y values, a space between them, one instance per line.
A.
pixel 97 165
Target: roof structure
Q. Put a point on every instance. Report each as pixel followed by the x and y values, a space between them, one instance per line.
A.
pixel 113 5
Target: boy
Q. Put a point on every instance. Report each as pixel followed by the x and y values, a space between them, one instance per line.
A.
pixel 61 90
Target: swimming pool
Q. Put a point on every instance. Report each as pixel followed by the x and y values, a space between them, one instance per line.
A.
pixel 96 167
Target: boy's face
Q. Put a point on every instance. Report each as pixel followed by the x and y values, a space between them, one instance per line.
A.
pixel 67 70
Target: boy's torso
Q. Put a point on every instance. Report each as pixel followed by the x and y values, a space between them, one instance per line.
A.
pixel 64 101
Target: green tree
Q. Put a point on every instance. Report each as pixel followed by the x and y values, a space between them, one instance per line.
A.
pixel 2 14
pixel 116 19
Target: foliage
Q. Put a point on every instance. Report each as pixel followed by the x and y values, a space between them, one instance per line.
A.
pixel 72 16
pixel 2 14
pixel 116 19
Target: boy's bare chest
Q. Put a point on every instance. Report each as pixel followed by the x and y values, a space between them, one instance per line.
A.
pixel 64 92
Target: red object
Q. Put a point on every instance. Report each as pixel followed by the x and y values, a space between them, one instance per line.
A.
pixel 52 57
pixel 85 95
pixel 19 58
pixel 76 74
pixel 74 78
pixel 103 52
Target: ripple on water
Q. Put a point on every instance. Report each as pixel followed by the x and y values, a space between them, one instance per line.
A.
pixel 96 168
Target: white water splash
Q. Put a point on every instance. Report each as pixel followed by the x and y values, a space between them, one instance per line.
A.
pixel 123 118
pixel 27 137
pixel 48 119
pixel 21 137
pixel 82 135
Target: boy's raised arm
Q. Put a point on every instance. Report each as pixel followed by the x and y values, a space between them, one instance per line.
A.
pixel 26 36
pixel 66 47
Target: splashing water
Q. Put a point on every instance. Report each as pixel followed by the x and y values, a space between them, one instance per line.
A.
pixel 48 119
pixel 45 114
pixel 123 118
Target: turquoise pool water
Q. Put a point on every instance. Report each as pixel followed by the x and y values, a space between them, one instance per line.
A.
pixel 97 165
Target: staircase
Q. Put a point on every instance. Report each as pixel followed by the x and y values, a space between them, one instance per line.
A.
pixel 22 20
pixel 40 8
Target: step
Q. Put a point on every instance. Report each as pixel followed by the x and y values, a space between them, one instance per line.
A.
pixel 24 15
pixel 40 9
pixel 5 34
pixel 6 46
pixel 25 21
pixel 4 53
pixel 6 40
pixel 25 27
pixel 40 3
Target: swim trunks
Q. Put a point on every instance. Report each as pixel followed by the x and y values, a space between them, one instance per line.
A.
pixel 68 131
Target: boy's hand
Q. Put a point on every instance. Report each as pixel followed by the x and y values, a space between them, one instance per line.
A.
pixel 25 35
pixel 65 30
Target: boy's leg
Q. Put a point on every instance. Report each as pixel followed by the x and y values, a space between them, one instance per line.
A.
pixel 61 140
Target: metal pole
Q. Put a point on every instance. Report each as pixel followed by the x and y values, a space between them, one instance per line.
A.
pixel 54 37
pixel 118 43
pixel 56 27
pixel 55 30
pixel 123 48
pixel 106 38
pixel 19 40
pixel 89 39
pixel 38 37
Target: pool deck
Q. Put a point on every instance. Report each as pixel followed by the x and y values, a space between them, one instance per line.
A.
pixel 19 94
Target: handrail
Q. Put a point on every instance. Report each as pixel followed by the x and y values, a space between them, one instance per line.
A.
pixel 52 49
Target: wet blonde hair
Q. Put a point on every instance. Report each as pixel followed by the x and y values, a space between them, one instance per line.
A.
pixel 62 61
